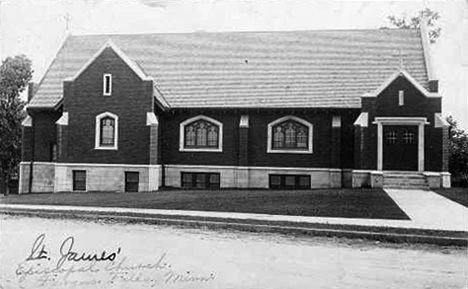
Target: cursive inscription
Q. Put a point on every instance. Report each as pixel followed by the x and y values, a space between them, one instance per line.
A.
pixel 38 251
pixel 68 266
pixel 67 254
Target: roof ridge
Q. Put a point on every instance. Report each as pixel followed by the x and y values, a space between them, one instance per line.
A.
pixel 246 32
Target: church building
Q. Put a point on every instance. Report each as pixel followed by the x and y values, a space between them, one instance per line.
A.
pixel 278 110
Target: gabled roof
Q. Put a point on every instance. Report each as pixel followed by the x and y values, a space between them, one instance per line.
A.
pixel 323 69
pixel 393 77
pixel 133 66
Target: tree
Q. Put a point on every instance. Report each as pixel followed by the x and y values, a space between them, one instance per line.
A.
pixel 15 73
pixel 458 147
pixel 430 16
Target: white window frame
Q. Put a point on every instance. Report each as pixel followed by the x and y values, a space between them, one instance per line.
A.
pixel 98 145
pixel 270 148
pixel 401 97
pixel 104 77
pixel 182 125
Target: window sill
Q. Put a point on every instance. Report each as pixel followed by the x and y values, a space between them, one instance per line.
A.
pixel 213 150
pixel 276 151
pixel 106 148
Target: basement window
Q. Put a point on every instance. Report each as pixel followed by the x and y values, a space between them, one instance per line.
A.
pixel 79 180
pixel 107 84
pixel 200 180
pixel 132 180
pixel 289 182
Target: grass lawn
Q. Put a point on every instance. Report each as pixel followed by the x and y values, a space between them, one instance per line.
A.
pixel 459 195
pixel 345 203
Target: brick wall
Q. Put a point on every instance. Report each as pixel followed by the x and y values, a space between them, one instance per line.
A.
pixel 415 105
pixel 131 99
pixel 256 135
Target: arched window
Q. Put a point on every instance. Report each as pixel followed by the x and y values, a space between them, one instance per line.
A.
pixel 106 131
pixel 290 135
pixel 200 133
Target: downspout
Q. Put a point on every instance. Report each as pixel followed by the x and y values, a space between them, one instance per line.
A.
pixel 161 159
pixel 31 163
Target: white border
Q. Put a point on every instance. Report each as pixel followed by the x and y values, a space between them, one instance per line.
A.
pixel 98 131
pixel 392 78
pixel 419 121
pixel 133 66
pixel 270 149
pixel 182 125
pixel 104 84
pixel 63 120
pixel 27 122
pixel 362 119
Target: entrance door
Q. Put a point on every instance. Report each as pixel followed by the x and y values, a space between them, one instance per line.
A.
pixel 400 148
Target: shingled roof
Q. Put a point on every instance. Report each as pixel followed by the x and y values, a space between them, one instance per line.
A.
pixel 326 69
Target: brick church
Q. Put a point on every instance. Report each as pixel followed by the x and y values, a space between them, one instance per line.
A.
pixel 279 110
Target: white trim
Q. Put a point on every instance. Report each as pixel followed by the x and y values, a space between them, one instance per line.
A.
pixel 439 121
pixel 63 120
pixel 160 97
pixel 92 165
pixel 104 77
pixel 182 166
pixel 182 125
pixel 27 122
pixel 401 97
pixel 138 71
pixel 98 131
pixel 244 121
pixel 151 119
pixel 362 120
pixel 392 78
pixel 426 49
pixel 419 121
pixel 253 168
pixel 292 151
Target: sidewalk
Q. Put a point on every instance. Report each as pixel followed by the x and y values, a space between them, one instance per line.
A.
pixel 427 210
pixel 430 210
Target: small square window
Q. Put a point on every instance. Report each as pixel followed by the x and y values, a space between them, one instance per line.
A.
pixel 79 180
pixel 392 137
pixel 200 181
pixel 214 181
pixel 290 181
pixel 304 182
pixel 187 180
pixel 131 181
pixel 408 137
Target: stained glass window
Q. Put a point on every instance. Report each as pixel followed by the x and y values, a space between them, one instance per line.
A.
pixel 290 134
pixel 107 131
pixel 201 133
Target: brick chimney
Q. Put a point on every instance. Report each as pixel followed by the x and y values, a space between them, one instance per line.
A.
pixel 433 86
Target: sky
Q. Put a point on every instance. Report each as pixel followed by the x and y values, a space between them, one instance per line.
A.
pixel 37 28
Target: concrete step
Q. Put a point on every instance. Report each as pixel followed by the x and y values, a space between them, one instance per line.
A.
pixel 406 180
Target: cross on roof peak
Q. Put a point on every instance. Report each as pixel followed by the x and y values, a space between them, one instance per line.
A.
pixel 68 20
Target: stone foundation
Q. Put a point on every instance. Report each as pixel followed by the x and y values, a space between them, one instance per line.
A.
pixel 253 177
pixel 58 177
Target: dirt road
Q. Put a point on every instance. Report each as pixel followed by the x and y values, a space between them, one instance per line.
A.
pixel 70 254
